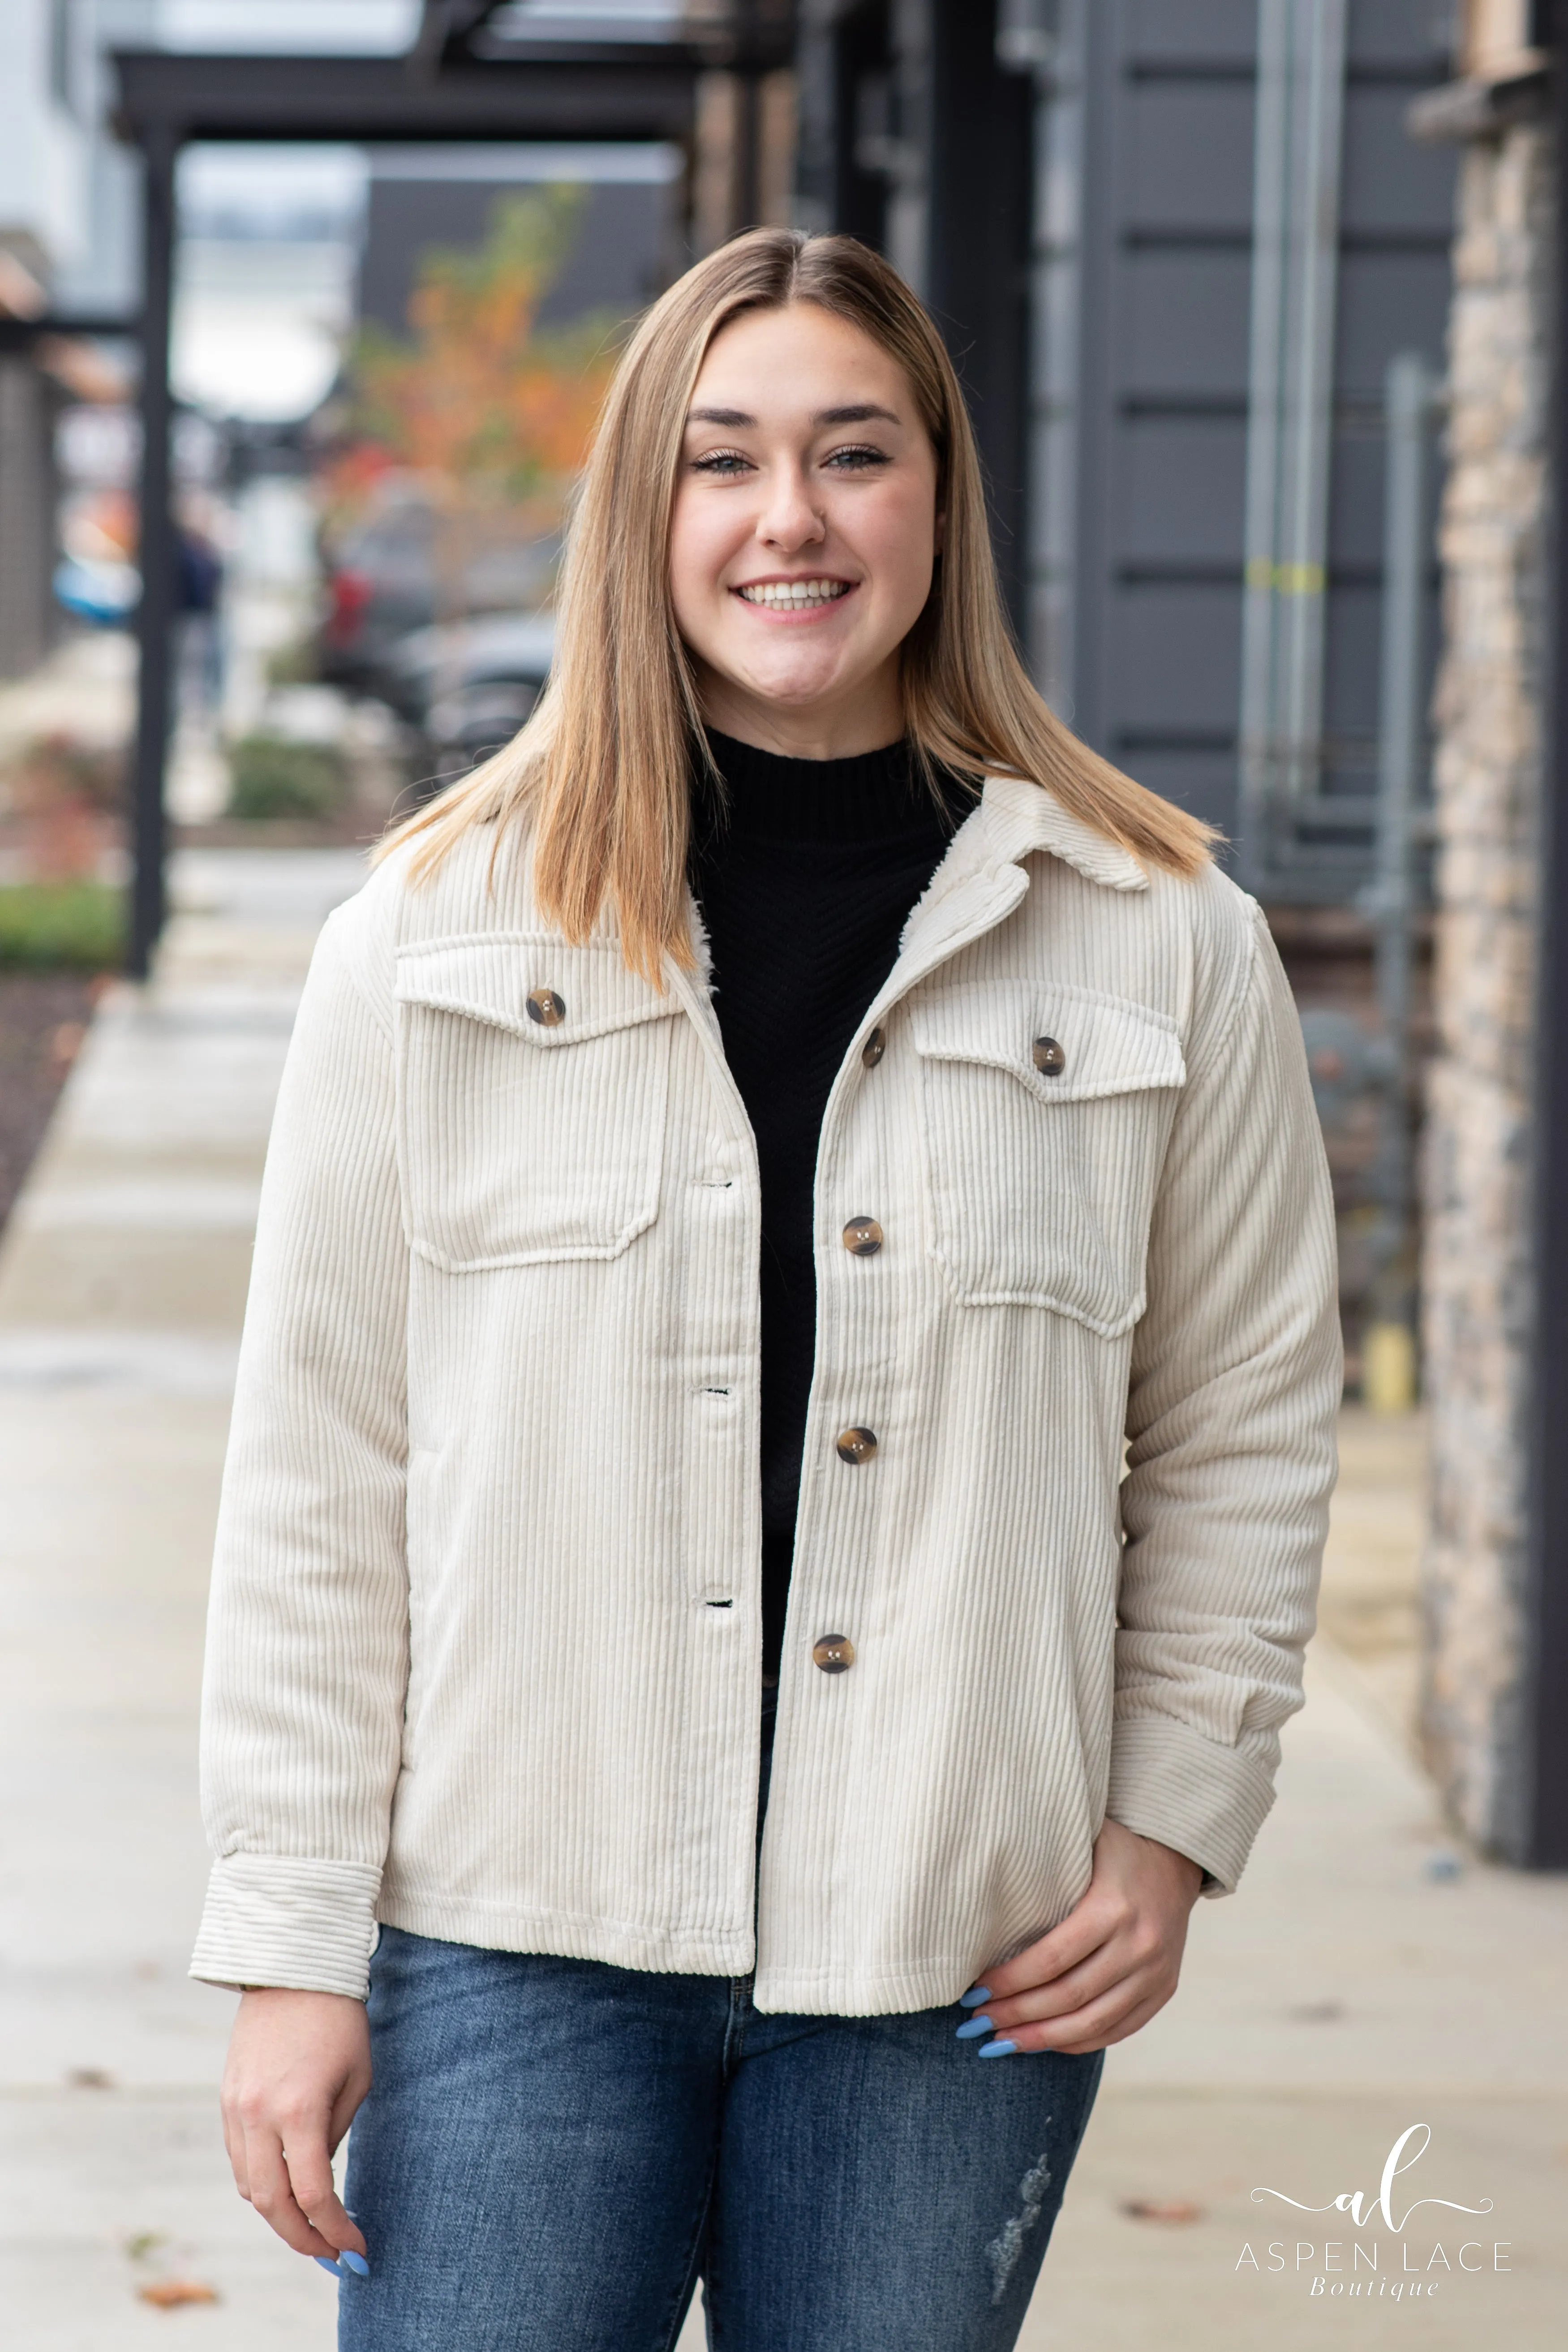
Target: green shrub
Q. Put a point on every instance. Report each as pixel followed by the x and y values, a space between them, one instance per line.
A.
pixel 272 777
pixel 76 924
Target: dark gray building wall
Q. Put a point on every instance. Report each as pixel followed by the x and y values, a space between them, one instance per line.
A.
pixel 1143 262
pixel 619 262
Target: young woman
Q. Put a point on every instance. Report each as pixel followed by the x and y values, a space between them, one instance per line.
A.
pixel 751 1160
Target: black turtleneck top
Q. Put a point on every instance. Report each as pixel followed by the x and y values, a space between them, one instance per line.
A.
pixel 806 871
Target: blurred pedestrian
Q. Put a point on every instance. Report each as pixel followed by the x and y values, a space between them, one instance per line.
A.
pixel 198 604
pixel 750 1161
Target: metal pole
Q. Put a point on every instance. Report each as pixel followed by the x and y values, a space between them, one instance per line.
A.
pixel 748 149
pixel 746 186
pixel 155 614
pixel 1538 1833
pixel 1407 408
pixel 1297 138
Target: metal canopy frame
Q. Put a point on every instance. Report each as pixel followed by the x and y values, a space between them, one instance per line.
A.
pixel 587 90
pixel 580 92
pixel 751 37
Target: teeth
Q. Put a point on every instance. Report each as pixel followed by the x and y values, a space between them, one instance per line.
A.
pixel 786 592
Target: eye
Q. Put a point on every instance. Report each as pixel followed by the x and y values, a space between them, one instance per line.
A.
pixel 721 462
pixel 861 459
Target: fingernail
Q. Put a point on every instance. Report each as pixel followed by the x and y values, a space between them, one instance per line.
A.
pixel 973 2026
pixel 356 2262
pixel 975 1995
pixel 327 2265
pixel 997 2049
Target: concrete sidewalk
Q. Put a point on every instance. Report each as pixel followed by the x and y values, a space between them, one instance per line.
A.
pixel 123 1278
pixel 1368 1978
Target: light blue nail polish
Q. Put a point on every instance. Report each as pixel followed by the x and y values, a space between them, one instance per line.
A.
pixel 356 2262
pixel 327 2265
pixel 997 2049
pixel 973 2026
pixel 973 1999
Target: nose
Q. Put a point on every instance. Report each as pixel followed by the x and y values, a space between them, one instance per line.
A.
pixel 789 520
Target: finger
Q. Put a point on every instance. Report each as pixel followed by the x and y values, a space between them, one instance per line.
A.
pixel 1088 1925
pixel 1100 1974
pixel 234 2142
pixel 346 2106
pixel 316 2196
pixel 272 2194
pixel 1100 2022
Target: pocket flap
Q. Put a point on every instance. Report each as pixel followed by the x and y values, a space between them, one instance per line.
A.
pixel 588 991
pixel 1107 1046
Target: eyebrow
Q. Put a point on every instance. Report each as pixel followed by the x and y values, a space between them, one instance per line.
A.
pixel 857 413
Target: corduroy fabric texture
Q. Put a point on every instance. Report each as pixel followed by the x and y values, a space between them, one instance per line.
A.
pixel 485 1642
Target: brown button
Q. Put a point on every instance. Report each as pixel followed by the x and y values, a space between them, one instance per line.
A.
pixel 545 1007
pixel 856 1445
pixel 862 1237
pixel 1049 1059
pixel 872 1051
pixel 833 1653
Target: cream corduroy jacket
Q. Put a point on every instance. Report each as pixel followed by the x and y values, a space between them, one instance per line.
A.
pixel 484 1657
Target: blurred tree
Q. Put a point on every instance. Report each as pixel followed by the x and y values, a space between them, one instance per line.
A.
pixel 490 412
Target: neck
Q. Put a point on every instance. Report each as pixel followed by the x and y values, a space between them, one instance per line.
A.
pixel 846 728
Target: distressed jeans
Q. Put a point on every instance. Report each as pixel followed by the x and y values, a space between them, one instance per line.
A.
pixel 555 2151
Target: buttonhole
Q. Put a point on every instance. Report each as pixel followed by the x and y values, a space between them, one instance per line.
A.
pixel 717 1183
pixel 715 1392
pixel 721 1604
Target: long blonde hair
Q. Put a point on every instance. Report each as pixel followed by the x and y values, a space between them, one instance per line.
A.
pixel 603 766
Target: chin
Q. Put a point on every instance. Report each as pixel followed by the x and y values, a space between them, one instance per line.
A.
pixel 794 687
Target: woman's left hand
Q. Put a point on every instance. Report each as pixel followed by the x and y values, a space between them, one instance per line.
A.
pixel 1106 1968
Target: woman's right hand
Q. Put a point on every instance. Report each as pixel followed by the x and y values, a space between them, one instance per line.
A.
pixel 299 2066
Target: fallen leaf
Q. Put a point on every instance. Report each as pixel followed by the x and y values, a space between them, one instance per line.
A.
pixel 167 2293
pixel 1169 2210
pixel 91 2078
pixel 145 2242
pixel 1317 2013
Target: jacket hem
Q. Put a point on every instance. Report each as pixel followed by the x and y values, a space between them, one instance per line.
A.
pixel 845 1993
pixel 569 1936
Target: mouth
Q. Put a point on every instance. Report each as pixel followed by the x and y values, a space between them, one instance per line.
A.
pixel 794 595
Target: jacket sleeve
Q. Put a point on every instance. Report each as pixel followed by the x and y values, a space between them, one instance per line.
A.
pixel 307 1640
pixel 1236 1382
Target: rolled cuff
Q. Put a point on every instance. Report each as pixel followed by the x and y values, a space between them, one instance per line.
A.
pixel 279 1920
pixel 1170 1783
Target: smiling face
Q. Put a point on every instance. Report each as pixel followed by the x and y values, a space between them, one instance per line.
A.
pixel 803 533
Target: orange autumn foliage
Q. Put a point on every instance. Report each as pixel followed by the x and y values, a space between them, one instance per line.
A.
pixel 487 409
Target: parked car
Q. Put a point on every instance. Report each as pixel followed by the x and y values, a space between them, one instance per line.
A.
pixel 385 579
pixel 467 686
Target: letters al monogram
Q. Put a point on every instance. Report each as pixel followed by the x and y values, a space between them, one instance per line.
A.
pixel 1351 2200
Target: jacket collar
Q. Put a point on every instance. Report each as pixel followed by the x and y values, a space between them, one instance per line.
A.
pixel 1015 818
pixel 978 884
pixel 981 878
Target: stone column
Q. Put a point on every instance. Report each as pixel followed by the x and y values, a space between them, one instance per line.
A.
pixel 1491 704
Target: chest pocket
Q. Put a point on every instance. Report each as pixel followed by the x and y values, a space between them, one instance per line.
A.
pixel 532 1079
pixel 1046 1114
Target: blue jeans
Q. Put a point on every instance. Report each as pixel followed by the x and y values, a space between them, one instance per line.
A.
pixel 553 2152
